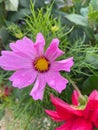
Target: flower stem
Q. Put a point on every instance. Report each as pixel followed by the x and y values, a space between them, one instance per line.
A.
pixel 75 87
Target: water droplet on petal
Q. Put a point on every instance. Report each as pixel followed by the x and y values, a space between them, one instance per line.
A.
pixel 18 80
pixel 29 81
pixel 52 82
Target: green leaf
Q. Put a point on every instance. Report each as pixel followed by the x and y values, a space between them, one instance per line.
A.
pixel 24 3
pixel 93 16
pixel 20 14
pixel 77 19
pixel 11 5
pixel 84 11
pixel 93 10
pixel 2 15
pixel 96 37
pixel 94 4
pixel 4 35
pixel 90 84
pixel 2 113
pixel 92 59
pixel 1 1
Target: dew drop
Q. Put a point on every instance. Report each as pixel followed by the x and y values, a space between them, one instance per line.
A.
pixel 52 82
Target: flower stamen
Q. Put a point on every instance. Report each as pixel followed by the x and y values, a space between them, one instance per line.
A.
pixel 41 64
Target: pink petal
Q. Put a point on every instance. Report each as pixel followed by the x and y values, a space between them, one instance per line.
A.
pixel 54 115
pixel 38 89
pixel 93 95
pixel 77 124
pixel 22 78
pixel 67 125
pixel 94 117
pixel 82 124
pixel 24 47
pixel 62 65
pixel 39 44
pixel 53 51
pixel 91 111
pixel 11 61
pixel 56 81
pixel 75 97
pixel 64 110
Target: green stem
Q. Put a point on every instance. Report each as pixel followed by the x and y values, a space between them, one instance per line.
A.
pixel 75 87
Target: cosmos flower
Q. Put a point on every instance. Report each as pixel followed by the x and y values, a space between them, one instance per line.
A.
pixel 34 65
pixel 78 115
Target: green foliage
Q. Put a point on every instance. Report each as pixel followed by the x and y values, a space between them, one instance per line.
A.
pixel 15 30
pixel 84 65
pixel 90 84
pixel 77 19
pixel 43 21
pixel 11 5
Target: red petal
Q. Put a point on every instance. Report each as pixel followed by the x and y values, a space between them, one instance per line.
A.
pixel 91 111
pixel 54 115
pixel 67 125
pixel 75 97
pixel 93 95
pixel 82 124
pixel 64 110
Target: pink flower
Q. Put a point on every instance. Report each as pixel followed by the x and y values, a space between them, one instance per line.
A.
pixel 31 64
pixel 78 116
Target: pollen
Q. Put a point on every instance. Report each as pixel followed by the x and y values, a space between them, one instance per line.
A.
pixel 41 64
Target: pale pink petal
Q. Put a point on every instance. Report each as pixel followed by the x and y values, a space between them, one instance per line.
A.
pixel 82 124
pixel 56 81
pixel 38 89
pixel 39 44
pixel 24 47
pixel 23 78
pixel 75 98
pixel 54 115
pixel 62 65
pixel 65 110
pixel 53 51
pixel 11 61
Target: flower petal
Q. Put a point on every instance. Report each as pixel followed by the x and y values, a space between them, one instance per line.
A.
pixel 75 97
pixel 94 117
pixel 91 111
pixel 56 81
pixel 67 125
pixel 62 65
pixel 54 115
pixel 39 44
pixel 38 89
pixel 23 78
pixel 24 47
pixel 64 110
pixel 53 51
pixel 82 124
pixel 11 61
pixel 93 95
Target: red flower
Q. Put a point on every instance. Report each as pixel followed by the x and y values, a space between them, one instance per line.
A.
pixel 81 115
pixel 6 91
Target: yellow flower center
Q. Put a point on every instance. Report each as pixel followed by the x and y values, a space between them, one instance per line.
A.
pixel 41 64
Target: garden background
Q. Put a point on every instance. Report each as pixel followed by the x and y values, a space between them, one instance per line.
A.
pixel 75 24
